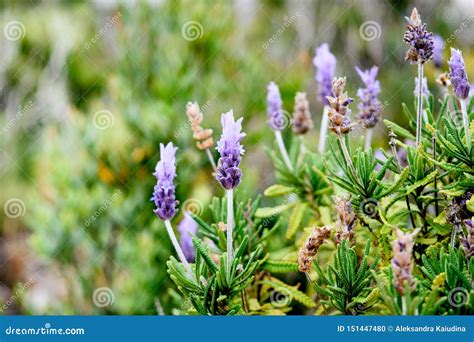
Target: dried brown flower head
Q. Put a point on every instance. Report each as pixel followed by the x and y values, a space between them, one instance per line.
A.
pixel 338 108
pixel 346 220
pixel 202 136
pixel 311 246
pixel 302 122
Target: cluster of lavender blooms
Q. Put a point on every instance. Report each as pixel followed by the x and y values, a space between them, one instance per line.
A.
pixel 420 40
pixel 457 75
pixel 369 105
pixel 402 261
pixel 276 118
pixel 164 191
pixel 325 63
pixel 228 173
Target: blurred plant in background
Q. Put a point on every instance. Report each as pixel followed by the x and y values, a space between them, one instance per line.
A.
pixel 88 90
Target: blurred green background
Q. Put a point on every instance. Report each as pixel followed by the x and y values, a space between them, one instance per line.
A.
pixel 88 90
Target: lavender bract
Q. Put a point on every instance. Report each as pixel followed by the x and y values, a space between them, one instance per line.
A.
pixel 457 75
pixel 369 104
pixel 276 118
pixel 164 190
pixel 325 63
pixel 187 227
pixel 420 40
pixel 228 173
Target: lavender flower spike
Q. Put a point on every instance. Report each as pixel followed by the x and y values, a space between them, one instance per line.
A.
pixel 438 51
pixel 457 75
pixel 165 172
pixel 369 104
pixel 325 63
pixel 419 39
pixel 228 173
pixel 276 118
pixel 187 227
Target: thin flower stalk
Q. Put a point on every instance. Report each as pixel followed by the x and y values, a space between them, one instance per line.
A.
pixel 277 120
pixel 421 44
pixel 228 172
pixel 323 131
pixel 164 196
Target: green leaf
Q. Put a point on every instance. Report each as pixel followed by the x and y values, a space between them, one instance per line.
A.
pixel 399 130
pixel 278 190
pixel 428 179
pixel 273 211
pixel 295 219
pixel 275 266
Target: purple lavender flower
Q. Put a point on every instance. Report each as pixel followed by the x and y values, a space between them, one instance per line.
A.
pixel 276 118
pixel 438 50
pixel 187 227
pixel 230 149
pixel 420 40
pixel 457 75
pixel 325 63
pixel 165 172
pixel 425 91
pixel 369 104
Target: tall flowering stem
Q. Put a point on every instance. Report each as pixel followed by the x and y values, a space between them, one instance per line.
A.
pixel 325 63
pixel 228 173
pixel 421 44
pixel 369 105
pixel 277 120
pixel 461 87
pixel 164 197
pixel 339 114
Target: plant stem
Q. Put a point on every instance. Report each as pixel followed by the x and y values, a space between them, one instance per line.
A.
pixel 465 121
pixel 419 112
pixel 284 153
pixel 211 159
pixel 436 178
pixel 178 249
pixel 347 155
pixel 399 167
pixel 404 305
pixel 368 138
pixel 230 229
pixel 323 131
pixel 454 234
